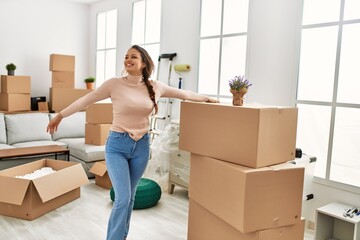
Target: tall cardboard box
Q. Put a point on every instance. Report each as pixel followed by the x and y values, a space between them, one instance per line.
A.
pixel 102 178
pixel 203 225
pixel 15 84
pixel 63 79
pixel 62 63
pixel 253 136
pixel 248 199
pixel 30 199
pixel 60 98
pixel 96 134
pixel 15 102
pixel 99 113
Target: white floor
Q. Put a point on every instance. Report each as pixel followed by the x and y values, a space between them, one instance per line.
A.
pixel 86 219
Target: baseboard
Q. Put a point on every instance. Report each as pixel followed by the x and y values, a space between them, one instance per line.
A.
pixel 310 225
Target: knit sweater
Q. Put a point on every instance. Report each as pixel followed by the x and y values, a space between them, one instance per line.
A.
pixel 132 105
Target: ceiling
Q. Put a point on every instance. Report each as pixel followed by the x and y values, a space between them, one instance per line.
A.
pixel 84 1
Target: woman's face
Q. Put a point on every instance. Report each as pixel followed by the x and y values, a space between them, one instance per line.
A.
pixel 133 62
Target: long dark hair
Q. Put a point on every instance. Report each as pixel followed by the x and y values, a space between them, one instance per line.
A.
pixel 147 71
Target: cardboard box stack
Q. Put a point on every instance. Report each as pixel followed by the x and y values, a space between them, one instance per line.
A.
pixel 99 118
pixel 62 91
pixel 241 186
pixel 15 93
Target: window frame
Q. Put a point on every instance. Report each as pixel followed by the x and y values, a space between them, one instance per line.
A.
pixel 221 37
pixel 333 104
pixel 105 50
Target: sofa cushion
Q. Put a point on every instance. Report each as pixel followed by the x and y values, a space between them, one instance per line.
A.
pixel 27 127
pixel 72 126
pixel 2 129
pixel 5 146
pixel 85 152
pixel 38 143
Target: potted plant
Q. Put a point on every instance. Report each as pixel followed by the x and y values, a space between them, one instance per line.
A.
pixel 11 69
pixel 89 82
pixel 238 87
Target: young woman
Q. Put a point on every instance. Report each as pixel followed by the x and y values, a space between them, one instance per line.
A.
pixel 134 99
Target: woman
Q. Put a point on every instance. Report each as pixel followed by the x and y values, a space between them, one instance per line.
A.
pixel 127 146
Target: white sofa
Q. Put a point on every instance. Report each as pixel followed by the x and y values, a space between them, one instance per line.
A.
pixel 29 129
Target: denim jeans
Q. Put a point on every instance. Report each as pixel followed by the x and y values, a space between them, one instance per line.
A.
pixel 126 160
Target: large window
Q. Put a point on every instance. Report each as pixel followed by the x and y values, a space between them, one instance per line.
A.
pixel 146 25
pixel 106 46
pixel 223 40
pixel 328 89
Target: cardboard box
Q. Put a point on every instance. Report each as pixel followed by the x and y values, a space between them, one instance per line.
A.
pixel 248 199
pixel 99 113
pixel 15 102
pixel 250 136
pixel 30 199
pixel 63 80
pixel 101 175
pixel 62 63
pixel 96 134
pixel 205 225
pixel 60 98
pixel 15 84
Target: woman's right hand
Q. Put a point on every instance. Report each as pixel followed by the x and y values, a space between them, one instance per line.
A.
pixel 54 123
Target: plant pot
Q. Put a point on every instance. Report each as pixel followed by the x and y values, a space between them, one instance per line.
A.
pixel 11 72
pixel 238 96
pixel 90 85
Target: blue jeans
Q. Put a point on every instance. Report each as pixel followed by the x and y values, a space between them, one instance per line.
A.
pixel 126 160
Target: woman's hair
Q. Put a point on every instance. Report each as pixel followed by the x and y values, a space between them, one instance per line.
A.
pixel 146 72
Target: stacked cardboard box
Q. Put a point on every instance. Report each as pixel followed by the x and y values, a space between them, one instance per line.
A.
pixel 240 180
pixel 15 93
pixel 62 91
pixel 99 118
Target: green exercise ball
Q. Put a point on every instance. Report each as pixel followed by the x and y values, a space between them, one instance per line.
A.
pixel 147 195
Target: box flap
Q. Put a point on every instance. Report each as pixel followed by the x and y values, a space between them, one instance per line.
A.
pixel 99 168
pixel 23 169
pixel 13 190
pixel 60 182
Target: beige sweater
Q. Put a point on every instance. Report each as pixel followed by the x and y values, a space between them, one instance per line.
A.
pixel 132 105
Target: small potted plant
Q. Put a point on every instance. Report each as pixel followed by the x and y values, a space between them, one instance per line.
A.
pixel 238 87
pixel 89 82
pixel 11 69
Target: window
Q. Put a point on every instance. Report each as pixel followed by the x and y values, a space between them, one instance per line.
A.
pixel 223 40
pixel 146 25
pixel 328 89
pixel 106 46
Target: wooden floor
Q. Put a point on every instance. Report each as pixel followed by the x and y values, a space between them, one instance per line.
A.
pixel 86 219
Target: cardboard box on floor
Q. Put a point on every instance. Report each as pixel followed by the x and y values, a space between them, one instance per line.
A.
pixel 15 102
pixel 96 134
pixel 62 63
pixel 60 98
pixel 101 175
pixel 248 199
pixel 255 136
pixel 30 199
pixel 15 84
pixel 99 113
pixel 63 79
pixel 205 225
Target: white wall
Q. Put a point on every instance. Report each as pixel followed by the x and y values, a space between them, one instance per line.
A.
pixel 42 27
pixel 32 30
pixel 273 40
